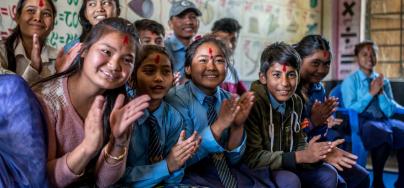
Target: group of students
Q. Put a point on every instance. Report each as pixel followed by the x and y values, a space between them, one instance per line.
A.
pixel 121 107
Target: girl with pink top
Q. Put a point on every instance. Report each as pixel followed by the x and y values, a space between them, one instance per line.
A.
pixel 89 121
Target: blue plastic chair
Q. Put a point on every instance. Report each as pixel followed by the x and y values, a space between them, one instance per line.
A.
pixel 358 148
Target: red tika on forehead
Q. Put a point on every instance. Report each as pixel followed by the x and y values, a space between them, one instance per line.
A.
pixel 41 3
pixel 125 40
pixel 157 59
pixel 210 53
pixel 284 67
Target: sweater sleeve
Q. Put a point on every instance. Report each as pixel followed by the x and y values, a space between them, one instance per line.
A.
pixel 106 173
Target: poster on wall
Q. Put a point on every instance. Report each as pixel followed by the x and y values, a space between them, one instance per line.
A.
pixel 263 21
pixel 347 34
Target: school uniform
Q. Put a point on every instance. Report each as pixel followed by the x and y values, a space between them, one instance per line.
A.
pixel 378 131
pixel 23 64
pixel 177 50
pixel 274 135
pixel 140 172
pixel 202 169
pixel 22 136
pixel 357 176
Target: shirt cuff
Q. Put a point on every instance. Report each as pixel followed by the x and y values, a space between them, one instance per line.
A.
pixel 209 142
pixel 289 160
pixel 31 75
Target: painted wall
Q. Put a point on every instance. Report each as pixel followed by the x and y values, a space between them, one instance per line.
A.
pixel 263 21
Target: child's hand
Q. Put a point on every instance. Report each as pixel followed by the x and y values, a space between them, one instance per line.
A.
pixel 123 116
pixel 376 86
pixel 315 151
pixel 93 129
pixel 228 112
pixel 63 61
pixel 341 159
pixel 36 61
pixel 320 112
pixel 245 102
pixel 182 151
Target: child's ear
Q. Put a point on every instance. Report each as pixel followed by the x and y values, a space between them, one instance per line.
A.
pixel 83 53
pixel 188 70
pixel 170 24
pixel 263 78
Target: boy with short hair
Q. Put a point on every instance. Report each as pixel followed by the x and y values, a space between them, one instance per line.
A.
pixel 150 32
pixel 275 139
pixel 228 30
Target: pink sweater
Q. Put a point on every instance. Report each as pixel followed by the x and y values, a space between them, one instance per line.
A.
pixel 66 132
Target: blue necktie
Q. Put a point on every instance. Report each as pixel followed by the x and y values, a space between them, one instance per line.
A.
pixel 155 148
pixel 219 160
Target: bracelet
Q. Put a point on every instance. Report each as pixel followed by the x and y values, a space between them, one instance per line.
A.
pixel 118 158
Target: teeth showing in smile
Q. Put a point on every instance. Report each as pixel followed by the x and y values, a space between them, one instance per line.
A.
pixel 100 17
pixel 211 76
pixel 108 75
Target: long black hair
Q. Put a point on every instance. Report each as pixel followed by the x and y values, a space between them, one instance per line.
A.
pixel 310 44
pixel 16 34
pixel 85 24
pixel 104 27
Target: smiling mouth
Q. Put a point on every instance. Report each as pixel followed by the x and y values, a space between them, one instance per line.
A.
pixel 37 26
pixel 100 17
pixel 188 29
pixel 210 76
pixel 108 75
pixel 283 92
pixel 158 88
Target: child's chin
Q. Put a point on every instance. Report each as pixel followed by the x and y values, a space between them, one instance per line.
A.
pixel 283 98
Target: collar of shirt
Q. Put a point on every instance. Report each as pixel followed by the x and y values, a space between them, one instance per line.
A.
pixel 175 43
pixel 316 87
pixel 280 107
pixel 363 77
pixel 20 51
pixel 158 113
pixel 200 95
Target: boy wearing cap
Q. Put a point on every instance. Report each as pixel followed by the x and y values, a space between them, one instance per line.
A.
pixel 185 24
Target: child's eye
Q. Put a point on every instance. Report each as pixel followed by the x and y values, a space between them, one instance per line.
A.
pixel 91 4
pixel 315 63
pixel 220 61
pixel 276 75
pixel 31 11
pixel 106 52
pixel 159 41
pixel 203 61
pixel 148 71
pixel 47 14
pixel 106 2
pixel 129 60
pixel 167 72
pixel 145 41
pixel 292 75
